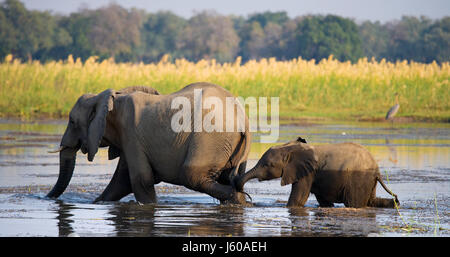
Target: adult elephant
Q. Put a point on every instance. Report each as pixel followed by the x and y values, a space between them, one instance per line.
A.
pixel 335 173
pixel 136 126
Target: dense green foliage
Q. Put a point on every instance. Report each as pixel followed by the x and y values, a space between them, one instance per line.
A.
pixel 135 35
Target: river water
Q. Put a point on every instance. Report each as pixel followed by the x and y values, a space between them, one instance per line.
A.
pixel 413 159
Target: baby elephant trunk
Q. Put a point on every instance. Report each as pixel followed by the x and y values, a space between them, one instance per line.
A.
pixel 239 181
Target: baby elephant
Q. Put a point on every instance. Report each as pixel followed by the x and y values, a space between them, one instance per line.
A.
pixel 335 173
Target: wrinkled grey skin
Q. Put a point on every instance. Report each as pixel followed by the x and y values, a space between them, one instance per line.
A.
pixel 335 173
pixel 135 123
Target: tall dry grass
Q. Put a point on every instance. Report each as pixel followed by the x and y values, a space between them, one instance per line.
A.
pixel 328 88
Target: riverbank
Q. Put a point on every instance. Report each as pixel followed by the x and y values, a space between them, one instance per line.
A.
pixel 328 89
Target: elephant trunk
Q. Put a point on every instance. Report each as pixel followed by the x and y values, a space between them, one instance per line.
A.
pixel 242 179
pixel 67 158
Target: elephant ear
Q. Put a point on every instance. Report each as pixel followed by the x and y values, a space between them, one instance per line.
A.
pixel 103 104
pixel 301 161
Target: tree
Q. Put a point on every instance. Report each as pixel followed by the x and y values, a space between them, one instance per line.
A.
pixel 258 42
pixel 209 35
pixel 78 26
pixel 8 35
pixel 264 18
pixel 134 35
pixel 114 30
pixel 406 38
pixel 374 39
pixel 252 41
pixel 318 37
pixel 159 35
pixel 289 47
pixel 261 35
pixel 436 41
pixel 24 32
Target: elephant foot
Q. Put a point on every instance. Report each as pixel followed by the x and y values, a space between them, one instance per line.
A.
pixel 228 203
pixel 238 198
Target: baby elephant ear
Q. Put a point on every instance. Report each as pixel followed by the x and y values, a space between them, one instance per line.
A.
pixel 302 162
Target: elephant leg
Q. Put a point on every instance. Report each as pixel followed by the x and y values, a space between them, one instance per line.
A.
pixel 196 181
pixel 323 202
pixel 355 200
pixel 300 192
pixel 119 186
pixel 298 196
pixel 141 174
pixel 359 190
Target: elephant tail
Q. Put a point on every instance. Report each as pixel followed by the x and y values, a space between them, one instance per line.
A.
pixel 245 145
pixel 387 189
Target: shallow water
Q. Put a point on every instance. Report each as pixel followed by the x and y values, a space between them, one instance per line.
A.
pixel 413 159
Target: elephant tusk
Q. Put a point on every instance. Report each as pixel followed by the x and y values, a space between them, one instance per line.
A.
pixel 58 150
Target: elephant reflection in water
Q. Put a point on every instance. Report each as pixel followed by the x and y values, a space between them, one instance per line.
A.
pixel 332 222
pixel 160 220
pixel 64 216
pixel 128 219
pixel 133 220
